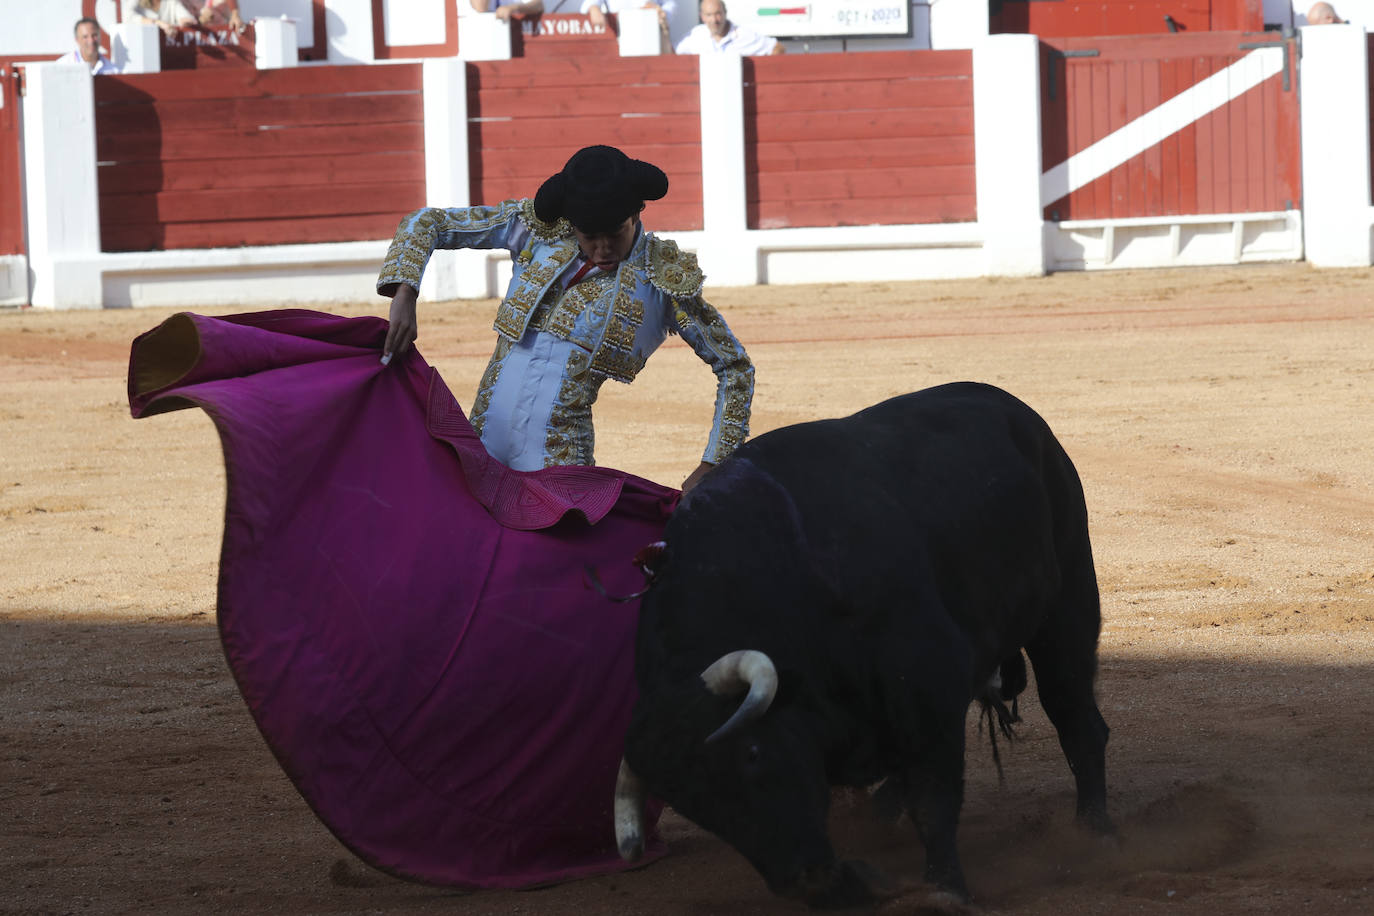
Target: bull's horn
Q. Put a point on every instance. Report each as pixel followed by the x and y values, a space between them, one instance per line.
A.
pixel 629 814
pixel 732 673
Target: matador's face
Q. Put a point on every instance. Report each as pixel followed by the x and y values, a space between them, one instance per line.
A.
pixel 606 249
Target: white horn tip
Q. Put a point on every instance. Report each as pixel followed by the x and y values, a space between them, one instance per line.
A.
pixel 631 848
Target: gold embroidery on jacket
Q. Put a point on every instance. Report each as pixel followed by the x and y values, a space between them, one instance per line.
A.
pixel 558 314
pixel 488 385
pixel 672 270
pixel 570 437
pixel 513 316
pixel 616 357
pixel 704 329
pixel 547 232
pixel 417 237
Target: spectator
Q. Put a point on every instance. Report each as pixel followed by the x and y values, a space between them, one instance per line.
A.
pixel 221 13
pixel 504 9
pixel 87 51
pixel 592 295
pixel 596 11
pixel 1323 14
pixel 168 15
pixel 717 33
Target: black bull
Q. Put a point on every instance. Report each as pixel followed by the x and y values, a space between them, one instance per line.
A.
pixel 879 571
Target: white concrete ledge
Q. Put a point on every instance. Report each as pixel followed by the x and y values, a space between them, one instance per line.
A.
pixel 1185 220
pixel 1194 240
pixel 184 259
pixel 254 277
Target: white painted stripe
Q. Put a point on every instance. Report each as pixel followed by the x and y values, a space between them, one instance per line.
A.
pixel 1155 125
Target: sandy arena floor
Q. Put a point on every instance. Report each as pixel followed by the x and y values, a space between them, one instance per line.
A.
pixel 1220 420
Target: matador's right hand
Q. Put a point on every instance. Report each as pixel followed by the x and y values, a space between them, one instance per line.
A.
pixel 404 326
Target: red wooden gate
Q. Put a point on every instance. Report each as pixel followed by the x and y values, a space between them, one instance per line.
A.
pixel 11 158
pixel 1169 125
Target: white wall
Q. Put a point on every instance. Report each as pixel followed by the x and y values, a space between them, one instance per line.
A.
pixel 415 22
pixel 299 10
pixel 1335 146
pixel 27 27
pixel 348 23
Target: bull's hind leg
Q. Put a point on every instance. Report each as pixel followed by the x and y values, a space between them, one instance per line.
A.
pixel 1064 655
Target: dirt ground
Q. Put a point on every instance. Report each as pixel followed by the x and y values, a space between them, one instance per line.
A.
pixel 1220 420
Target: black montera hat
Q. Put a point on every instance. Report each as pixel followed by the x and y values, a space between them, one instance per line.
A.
pixel 599 189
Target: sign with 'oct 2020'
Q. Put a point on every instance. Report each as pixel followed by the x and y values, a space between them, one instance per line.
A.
pixel 824 18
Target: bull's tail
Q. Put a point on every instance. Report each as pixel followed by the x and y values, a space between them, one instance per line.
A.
pixel 1006 683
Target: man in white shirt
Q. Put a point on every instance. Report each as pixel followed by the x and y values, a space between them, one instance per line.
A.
pixel 718 34
pixel 87 51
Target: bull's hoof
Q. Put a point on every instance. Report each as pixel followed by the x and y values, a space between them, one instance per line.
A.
pixel 847 883
pixel 1096 820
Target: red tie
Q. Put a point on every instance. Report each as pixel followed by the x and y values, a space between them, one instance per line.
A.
pixel 581 272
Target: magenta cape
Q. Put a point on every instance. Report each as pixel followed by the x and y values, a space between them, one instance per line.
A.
pixel 410 622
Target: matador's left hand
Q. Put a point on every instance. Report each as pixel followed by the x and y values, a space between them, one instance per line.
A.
pixel 694 478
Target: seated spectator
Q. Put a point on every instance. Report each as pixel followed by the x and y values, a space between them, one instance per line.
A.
pixel 596 11
pixel 1323 14
pixel 221 13
pixel 504 9
pixel 718 34
pixel 87 32
pixel 168 15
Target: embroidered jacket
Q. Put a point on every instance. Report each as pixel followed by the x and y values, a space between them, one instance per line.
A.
pixel 557 345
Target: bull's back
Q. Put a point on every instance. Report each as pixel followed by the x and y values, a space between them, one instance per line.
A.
pixel 961 489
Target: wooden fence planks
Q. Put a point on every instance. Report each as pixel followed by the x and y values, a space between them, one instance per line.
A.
pixel 829 144
pixel 524 123
pixel 253 157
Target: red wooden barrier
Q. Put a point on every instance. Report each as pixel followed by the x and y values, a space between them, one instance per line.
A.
pixel 257 157
pixel 11 160
pixel 834 141
pixel 527 116
pixel 1243 157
